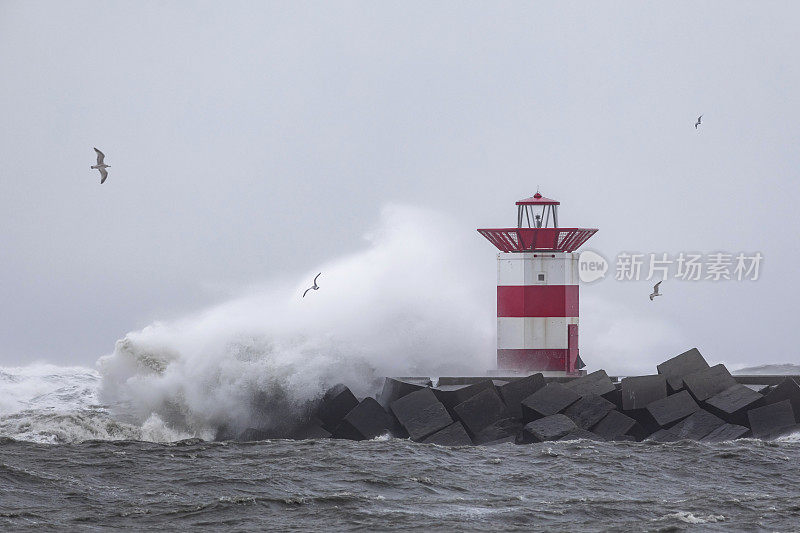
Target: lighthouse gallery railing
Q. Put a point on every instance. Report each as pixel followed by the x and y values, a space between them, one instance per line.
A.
pixel 537 239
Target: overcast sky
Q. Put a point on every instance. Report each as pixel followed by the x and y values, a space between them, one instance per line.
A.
pixel 251 141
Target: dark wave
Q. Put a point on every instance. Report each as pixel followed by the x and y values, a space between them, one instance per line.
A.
pixel 397 484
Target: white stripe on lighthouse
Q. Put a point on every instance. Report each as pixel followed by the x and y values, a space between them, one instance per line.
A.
pixel 533 332
pixel 525 268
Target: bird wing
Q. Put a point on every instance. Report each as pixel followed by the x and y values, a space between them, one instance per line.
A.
pixel 315 278
pixel 103 175
pixel 655 287
pixel 304 294
pixel 651 297
pixel 100 156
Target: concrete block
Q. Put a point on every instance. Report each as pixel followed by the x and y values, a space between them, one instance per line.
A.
pixel 788 430
pixel 788 389
pixel 581 434
pixel 625 438
pixel 501 429
pixel 513 392
pixel 726 432
pixel 549 400
pixel 365 421
pixel 732 404
pixel 481 410
pixel 639 391
pixel 452 395
pixel 421 414
pixel 771 419
pixel 682 365
pixel 615 425
pixel 312 429
pixel 589 410
pixel 615 396
pixel 708 382
pixel 505 440
pixel 597 383
pixel 662 435
pixel 762 389
pixel 551 427
pixel 452 435
pixel 394 389
pixel 668 411
pixel 696 426
pixel 334 406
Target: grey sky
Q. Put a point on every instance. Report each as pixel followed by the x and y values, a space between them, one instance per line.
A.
pixel 251 140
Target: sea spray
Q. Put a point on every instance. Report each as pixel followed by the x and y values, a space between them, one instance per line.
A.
pixel 412 302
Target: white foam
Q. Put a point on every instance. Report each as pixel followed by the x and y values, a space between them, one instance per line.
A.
pixel 791 437
pixel 43 386
pixel 690 518
pixel 407 304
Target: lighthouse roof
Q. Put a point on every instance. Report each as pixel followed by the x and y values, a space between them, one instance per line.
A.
pixel 538 199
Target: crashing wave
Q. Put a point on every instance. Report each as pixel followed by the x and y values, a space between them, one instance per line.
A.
pixel 411 302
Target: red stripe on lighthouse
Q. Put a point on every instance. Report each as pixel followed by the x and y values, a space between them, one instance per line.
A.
pixel 531 358
pixel 537 301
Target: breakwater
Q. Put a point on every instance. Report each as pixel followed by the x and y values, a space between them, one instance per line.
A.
pixel 687 399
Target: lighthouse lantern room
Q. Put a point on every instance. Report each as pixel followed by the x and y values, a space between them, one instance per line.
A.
pixel 537 290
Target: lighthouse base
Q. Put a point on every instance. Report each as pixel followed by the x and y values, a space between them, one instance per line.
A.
pixel 538 360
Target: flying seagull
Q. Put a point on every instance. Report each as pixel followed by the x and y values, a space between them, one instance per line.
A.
pixel 655 291
pixel 314 286
pixel 699 119
pixel 101 166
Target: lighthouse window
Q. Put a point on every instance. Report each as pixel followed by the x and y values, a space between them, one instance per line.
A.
pixel 541 277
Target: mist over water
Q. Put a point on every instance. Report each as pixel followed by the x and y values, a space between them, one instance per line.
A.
pixel 410 303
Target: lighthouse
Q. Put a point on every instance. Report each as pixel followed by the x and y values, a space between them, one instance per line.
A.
pixel 537 290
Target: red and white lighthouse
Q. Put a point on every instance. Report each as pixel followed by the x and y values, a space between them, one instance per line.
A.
pixel 537 290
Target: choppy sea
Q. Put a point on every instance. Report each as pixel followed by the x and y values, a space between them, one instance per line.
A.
pixel 67 464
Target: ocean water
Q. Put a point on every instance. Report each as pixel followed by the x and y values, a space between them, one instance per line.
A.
pixel 399 485
pixel 68 462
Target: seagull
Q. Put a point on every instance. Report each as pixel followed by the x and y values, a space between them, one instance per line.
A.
pixel 698 121
pixel 314 286
pixel 655 291
pixel 101 166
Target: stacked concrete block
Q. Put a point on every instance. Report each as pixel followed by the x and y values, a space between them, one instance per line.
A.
pixel 708 382
pixel 589 410
pixel 670 410
pixel 788 389
pixel 513 392
pixel 618 426
pixel 680 366
pixel 551 427
pixel 733 404
pixel 772 420
pixel 481 410
pixel 551 399
pixel 452 435
pixel 452 395
pixel 421 414
pixel 366 420
pixel 394 389
pixel 687 399
pixel 336 403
